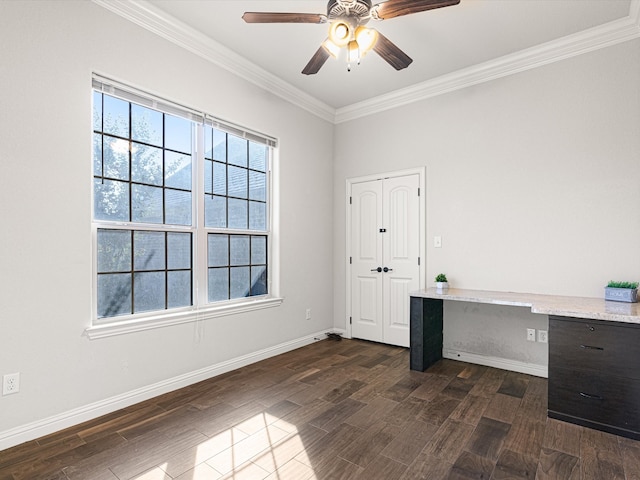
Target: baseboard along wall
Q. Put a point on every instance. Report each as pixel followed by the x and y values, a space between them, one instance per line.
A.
pixel 46 426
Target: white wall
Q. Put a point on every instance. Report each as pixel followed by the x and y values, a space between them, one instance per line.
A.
pixel 49 50
pixel 533 182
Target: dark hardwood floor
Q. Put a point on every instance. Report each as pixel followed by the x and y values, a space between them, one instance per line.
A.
pixel 334 410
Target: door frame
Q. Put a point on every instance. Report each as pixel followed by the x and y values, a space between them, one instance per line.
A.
pixel 421 172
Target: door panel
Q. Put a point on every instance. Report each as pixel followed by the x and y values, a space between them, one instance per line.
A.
pixel 368 212
pixel 396 305
pixel 368 292
pixel 397 223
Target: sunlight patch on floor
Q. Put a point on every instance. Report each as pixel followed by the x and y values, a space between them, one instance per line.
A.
pixel 157 473
pixel 253 449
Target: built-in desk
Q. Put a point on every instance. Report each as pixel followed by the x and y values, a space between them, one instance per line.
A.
pixel 594 352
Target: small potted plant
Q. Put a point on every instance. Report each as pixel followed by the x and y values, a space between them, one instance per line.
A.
pixel 621 291
pixel 441 282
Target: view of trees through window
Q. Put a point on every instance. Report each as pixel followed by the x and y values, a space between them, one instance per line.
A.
pixel 150 207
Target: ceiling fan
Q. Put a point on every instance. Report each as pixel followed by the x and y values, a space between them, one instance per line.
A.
pixel 347 19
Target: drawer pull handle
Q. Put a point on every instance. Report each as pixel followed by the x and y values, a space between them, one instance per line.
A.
pixel 588 395
pixel 589 347
pixel 591 328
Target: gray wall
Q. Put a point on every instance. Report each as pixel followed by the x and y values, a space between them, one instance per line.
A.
pixel 533 182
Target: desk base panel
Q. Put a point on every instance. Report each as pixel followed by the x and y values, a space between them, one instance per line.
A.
pixel 426 332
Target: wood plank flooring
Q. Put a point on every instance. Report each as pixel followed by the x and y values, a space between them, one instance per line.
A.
pixel 334 410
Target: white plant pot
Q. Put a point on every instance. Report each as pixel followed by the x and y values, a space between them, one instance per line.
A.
pixel 440 286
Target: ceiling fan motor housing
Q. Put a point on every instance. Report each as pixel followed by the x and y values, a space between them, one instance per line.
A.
pixel 356 11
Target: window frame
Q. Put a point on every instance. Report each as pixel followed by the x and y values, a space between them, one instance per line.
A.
pixel 201 308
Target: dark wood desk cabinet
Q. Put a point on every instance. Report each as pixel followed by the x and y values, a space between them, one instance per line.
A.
pixel 594 374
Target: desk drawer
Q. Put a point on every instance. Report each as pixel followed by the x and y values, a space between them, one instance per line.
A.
pixel 604 399
pixel 608 347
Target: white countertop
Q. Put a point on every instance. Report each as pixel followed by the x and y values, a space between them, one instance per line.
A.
pixel 581 307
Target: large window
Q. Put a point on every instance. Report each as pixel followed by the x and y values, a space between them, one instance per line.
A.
pixel 180 208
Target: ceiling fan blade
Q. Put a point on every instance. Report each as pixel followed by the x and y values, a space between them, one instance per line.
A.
pixel 316 62
pixel 279 17
pixel 397 8
pixel 391 53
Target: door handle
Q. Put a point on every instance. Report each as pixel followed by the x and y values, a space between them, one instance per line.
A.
pixel 379 269
pixel 385 269
pixel 588 395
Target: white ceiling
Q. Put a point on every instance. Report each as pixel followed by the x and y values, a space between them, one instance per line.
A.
pixel 441 42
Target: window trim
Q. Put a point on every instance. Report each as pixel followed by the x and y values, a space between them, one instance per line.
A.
pixel 147 322
pixel 136 322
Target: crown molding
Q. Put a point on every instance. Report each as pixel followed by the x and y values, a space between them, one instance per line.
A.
pixel 144 14
pixel 611 33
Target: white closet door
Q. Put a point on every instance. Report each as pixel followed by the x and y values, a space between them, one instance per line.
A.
pixel 385 241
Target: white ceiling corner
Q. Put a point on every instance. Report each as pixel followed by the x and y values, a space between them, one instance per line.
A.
pixel 150 16
pixel 594 38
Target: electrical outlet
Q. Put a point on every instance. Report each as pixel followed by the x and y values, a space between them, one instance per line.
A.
pixel 531 334
pixel 308 314
pixel 10 383
pixel 542 336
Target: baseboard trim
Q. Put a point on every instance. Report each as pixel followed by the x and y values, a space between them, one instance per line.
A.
pixel 496 362
pixel 31 431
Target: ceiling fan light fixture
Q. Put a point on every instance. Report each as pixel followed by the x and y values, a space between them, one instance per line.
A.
pixel 366 38
pixel 332 48
pixel 340 33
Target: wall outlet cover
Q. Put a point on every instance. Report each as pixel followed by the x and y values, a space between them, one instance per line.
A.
pixel 10 383
pixel 542 336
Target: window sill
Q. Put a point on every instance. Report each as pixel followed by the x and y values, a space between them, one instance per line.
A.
pixel 167 319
